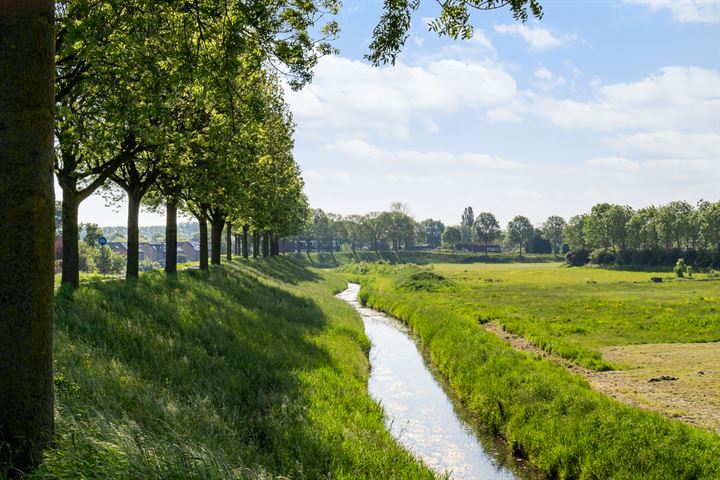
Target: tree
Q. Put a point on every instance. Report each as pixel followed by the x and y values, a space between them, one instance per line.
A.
pixel 391 31
pixel 519 231
pixel 574 232
pixel 451 237
pixel 616 220
pixel 92 233
pixel 431 232
pixel 487 229
pixel 710 224
pixel 552 230
pixel 27 202
pixel 466 223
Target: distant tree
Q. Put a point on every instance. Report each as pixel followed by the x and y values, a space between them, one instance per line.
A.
pixel 710 224
pixel 487 229
pixel 596 230
pixel 430 232
pixel 451 237
pixel 466 223
pixel 86 257
pixel 641 229
pixel 574 232
pixel 673 222
pixel 519 230
pixel 92 233
pixel 552 230
pixel 616 218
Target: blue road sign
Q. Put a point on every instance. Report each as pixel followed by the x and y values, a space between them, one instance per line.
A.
pixel 102 241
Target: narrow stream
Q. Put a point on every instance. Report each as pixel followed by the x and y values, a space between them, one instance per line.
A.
pixel 419 409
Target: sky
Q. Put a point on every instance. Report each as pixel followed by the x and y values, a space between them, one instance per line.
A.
pixel 600 101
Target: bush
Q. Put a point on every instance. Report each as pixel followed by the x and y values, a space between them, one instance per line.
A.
pixel 680 268
pixel 577 258
pixel 601 257
pixel 86 255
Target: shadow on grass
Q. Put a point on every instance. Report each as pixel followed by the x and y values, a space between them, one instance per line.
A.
pixel 288 269
pixel 212 359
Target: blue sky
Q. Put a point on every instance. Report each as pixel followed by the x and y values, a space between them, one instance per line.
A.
pixel 599 101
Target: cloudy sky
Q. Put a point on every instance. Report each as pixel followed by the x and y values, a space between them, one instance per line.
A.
pixel 600 101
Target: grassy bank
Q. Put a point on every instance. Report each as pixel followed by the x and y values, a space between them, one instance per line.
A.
pixel 547 414
pixel 253 372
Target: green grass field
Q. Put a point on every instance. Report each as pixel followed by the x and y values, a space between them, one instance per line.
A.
pixel 546 413
pixel 254 371
pixel 573 312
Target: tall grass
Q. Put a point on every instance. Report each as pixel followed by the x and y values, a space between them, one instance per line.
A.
pixel 254 371
pixel 547 414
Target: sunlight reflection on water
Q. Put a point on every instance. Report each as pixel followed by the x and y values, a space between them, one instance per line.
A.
pixel 419 412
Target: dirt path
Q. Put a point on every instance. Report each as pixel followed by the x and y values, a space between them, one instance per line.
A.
pixel 677 380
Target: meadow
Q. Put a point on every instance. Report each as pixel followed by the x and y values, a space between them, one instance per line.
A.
pixel 574 312
pixel 252 371
pixel 546 413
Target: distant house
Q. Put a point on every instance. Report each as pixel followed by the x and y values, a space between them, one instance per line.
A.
pixel 191 250
pixel 490 248
pixel 155 252
pixel 58 248
pixel 121 248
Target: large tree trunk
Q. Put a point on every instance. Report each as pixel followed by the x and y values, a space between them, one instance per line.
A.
pixel 133 243
pixel 70 253
pixel 245 252
pixel 171 238
pixel 27 206
pixel 202 221
pixel 256 243
pixel 218 222
pixel 228 241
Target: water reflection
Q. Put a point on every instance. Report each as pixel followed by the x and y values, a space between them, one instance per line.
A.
pixel 420 414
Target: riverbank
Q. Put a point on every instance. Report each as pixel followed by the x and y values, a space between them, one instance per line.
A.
pixel 254 371
pixel 547 414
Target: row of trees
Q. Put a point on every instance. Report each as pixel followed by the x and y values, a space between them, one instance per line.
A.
pixel 179 106
pixel 648 235
pixel 170 101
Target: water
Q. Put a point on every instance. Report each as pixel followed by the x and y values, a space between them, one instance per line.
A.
pixel 419 409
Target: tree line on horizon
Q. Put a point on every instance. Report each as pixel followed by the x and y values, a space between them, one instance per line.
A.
pixel 609 233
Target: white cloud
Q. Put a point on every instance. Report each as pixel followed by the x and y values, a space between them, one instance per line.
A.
pixel 616 164
pixel 430 125
pixel 419 180
pixel 352 95
pixel 685 11
pixel 479 38
pixel 499 115
pixel 363 150
pixel 666 144
pixel 547 80
pixel 685 99
pixel 537 37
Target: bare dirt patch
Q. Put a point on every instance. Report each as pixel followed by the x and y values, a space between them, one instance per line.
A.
pixel 685 377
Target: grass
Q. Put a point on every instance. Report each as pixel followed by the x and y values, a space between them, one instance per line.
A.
pixel 254 371
pixel 574 312
pixel 546 413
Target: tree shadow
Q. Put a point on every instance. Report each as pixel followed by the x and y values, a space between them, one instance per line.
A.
pixel 288 270
pixel 226 347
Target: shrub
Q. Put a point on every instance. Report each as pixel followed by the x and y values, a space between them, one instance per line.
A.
pixel 680 268
pixel 601 257
pixel 577 258
pixel 86 255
